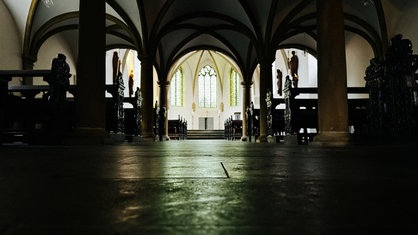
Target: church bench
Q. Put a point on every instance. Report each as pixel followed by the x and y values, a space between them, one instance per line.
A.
pixel 177 128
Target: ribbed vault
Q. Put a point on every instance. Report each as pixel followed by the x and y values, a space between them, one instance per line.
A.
pixel 247 31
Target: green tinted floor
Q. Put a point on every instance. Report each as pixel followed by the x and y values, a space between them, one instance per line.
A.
pixel 182 187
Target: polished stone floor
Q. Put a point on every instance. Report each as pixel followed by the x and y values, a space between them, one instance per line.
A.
pixel 209 187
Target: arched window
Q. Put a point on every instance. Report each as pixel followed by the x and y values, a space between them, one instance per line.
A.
pixel 233 88
pixel 176 89
pixel 207 87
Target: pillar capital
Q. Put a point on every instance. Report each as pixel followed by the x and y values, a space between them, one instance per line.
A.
pixel 247 83
pixel 266 62
pixel 163 83
pixel 267 58
pixel 145 59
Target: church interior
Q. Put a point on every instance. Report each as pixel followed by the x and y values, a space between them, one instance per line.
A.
pixel 208 117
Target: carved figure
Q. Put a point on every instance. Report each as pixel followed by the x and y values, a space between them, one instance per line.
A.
pixel 116 66
pixel 119 104
pixel 269 115
pixel 131 83
pixel 58 86
pixel 59 80
pixel 294 66
pixel 279 81
pixel 287 111
pixel 393 90
pixel 137 112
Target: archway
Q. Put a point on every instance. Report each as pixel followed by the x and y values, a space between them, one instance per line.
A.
pixel 209 92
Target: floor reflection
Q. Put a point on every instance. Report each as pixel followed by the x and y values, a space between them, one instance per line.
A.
pixel 180 187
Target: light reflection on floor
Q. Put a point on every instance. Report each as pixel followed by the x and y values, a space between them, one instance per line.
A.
pixel 180 187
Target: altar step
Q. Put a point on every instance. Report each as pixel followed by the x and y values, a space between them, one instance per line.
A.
pixel 205 134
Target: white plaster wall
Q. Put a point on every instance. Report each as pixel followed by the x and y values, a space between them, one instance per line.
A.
pixel 129 61
pixel 189 97
pixel 50 50
pixel 358 54
pixel 10 43
pixel 307 69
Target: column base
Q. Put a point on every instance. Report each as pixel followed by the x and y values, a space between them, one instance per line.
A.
pixel 163 138
pixel 262 139
pixel 148 137
pixel 244 138
pixel 331 138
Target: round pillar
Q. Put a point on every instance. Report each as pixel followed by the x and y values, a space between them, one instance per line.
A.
pixel 265 85
pixel 91 67
pixel 164 104
pixel 332 74
pixel 147 89
pixel 246 99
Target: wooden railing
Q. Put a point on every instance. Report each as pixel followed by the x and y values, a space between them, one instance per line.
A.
pixel 26 115
pixel 305 116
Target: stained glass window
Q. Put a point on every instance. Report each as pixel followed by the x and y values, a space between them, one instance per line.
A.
pixel 233 87
pixel 176 89
pixel 207 87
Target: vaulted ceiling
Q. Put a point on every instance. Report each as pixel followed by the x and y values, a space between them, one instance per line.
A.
pixel 245 30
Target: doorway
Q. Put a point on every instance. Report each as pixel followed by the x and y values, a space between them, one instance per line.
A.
pixel 206 123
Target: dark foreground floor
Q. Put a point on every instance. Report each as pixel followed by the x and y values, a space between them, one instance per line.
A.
pixel 181 187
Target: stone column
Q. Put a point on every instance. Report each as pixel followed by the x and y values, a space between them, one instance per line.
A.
pixel 265 85
pixel 147 89
pixel 246 99
pixel 332 74
pixel 90 94
pixel 28 62
pixel 164 104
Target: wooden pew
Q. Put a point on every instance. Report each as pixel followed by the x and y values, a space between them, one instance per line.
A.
pixel 15 110
pixel 232 129
pixel 177 128
pixel 306 114
pixel 19 114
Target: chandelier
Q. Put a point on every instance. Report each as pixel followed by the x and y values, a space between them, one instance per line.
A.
pixel 48 3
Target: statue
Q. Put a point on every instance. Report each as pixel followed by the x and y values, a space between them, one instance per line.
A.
pixel 59 80
pixel 393 91
pixel 119 104
pixel 58 86
pixel 294 66
pixel 137 112
pixel 131 83
pixel 269 115
pixel 279 81
pixel 161 118
pixel 288 112
pixel 116 66
pixel 156 118
pixel 250 119
pixel 375 83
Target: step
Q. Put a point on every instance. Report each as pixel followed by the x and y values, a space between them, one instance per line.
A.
pixel 205 134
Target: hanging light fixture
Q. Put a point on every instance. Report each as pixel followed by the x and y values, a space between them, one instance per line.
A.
pixel 48 3
pixel 368 3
